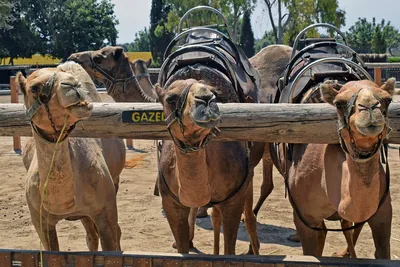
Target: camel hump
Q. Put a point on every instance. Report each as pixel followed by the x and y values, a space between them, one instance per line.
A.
pixel 81 75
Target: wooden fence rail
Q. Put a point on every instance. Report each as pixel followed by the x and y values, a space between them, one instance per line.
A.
pixel 306 123
pixel 28 258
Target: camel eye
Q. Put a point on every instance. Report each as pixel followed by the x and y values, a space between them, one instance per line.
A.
pixel 35 89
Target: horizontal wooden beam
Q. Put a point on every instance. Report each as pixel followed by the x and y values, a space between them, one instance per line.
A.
pixel 307 123
pixel 31 258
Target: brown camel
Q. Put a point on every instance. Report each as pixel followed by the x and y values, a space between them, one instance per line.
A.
pixel 82 181
pixel 202 175
pixel 347 183
pixel 112 67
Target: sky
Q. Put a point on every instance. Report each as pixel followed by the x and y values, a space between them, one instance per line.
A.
pixel 134 15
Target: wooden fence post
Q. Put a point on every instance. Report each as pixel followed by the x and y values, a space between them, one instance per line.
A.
pixel 129 143
pixel 14 99
pixel 378 76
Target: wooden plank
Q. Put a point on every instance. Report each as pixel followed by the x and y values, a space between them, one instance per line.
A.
pixel 142 262
pixel 5 259
pixel 308 123
pixel 168 262
pixel 157 262
pixel 231 263
pixel 113 261
pixel 84 260
pixel 129 143
pixel 14 99
pixel 378 76
pixel 56 260
pixel 29 259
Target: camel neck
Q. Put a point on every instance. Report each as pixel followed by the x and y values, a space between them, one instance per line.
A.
pixel 361 188
pixel 60 185
pixel 128 91
pixel 147 86
pixel 194 186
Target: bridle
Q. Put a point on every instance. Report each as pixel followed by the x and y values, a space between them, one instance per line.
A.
pixel 30 112
pixel 177 116
pixel 359 156
pixel 343 125
pixel 113 81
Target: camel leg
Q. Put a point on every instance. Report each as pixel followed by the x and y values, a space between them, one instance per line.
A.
pixel 251 221
pixel 92 236
pixel 231 215
pixel 312 241
pixel 381 224
pixel 349 238
pixel 267 184
pixel 216 222
pixel 178 220
pixel 47 233
pixel 109 231
pixel 192 226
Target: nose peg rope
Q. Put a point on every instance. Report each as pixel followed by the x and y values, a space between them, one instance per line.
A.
pixel 45 191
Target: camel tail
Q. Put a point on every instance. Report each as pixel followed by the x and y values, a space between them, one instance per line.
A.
pixel 134 161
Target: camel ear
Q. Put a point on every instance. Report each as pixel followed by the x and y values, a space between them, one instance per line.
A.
pixel 389 86
pixel 118 53
pixel 328 91
pixel 21 82
pixel 160 93
pixel 148 63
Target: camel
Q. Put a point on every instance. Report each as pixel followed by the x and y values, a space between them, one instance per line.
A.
pixel 194 172
pixel 112 67
pixel 345 183
pixel 82 182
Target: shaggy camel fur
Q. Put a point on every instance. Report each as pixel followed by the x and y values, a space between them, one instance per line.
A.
pixel 347 186
pixel 82 182
pixel 112 67
pixel 191 180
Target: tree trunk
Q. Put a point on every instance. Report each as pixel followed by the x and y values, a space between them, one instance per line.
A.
pixel 280 28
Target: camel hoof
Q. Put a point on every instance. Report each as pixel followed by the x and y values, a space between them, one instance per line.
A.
pixel 294 238
pixel 201 213
pixel 190 245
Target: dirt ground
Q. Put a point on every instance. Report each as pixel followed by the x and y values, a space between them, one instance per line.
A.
pixel 145 229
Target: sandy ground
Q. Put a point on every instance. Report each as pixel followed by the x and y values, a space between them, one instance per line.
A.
pixel 145 229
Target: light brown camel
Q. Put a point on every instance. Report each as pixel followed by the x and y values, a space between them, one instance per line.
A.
pixel 82 181
pixel 347 186
pixel 112 67
pixel 214 172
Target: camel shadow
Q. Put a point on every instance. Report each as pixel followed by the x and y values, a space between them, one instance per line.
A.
pixel 131 148
pixel 267 233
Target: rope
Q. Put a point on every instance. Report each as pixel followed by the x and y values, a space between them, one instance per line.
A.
pixel 45 191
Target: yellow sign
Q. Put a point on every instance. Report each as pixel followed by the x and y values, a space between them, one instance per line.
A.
pixel 132 116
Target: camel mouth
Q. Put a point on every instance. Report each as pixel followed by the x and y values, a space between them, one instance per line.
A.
pixel 371 130
pixel 206 116
pixel 81 110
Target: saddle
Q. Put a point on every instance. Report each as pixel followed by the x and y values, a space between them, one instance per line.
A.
pixel 207 54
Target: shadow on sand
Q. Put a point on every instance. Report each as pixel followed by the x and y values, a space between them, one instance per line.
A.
pixel 267 234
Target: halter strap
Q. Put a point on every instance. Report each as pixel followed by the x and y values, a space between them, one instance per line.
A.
pixel 177 115
pixel 46 91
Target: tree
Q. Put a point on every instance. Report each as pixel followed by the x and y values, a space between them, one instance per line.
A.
pixel 68 26
pixel 18 39
pixel 267 39
pixel 159 35
pixel 141 42
pixel 367 37
pixel 294 15
pixel 247 35
pixel 5 14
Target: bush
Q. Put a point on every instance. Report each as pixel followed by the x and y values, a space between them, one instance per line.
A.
pixel 393 59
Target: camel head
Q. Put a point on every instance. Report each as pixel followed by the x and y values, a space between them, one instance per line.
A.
pixel 191 112
pixel 140 67
pixel 53 98
pixel 104 63
pixel 362 108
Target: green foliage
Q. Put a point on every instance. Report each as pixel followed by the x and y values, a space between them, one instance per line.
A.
pixel 141 42
pixel 18 38
pixel 369 37
pixel 247 35
pixel 295 15
pixel 266 40
pixel 393 59
pixel 159 35
pixel 5 14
